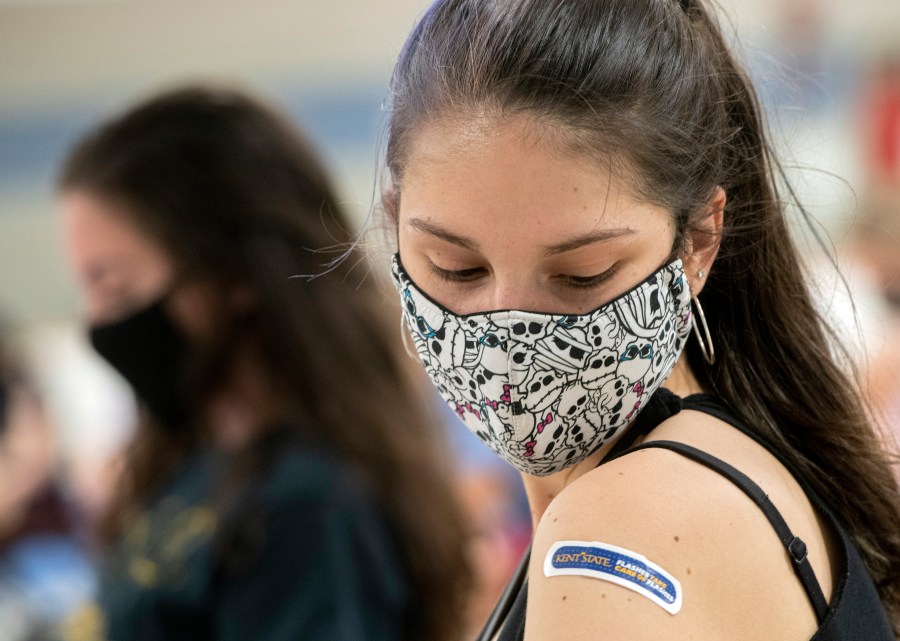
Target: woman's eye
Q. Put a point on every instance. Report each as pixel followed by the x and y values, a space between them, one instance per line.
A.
pixel 456 275
pixel 588 281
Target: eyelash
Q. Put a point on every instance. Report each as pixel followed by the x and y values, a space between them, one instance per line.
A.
pixel 575 282
pixel 460 276
pixel 587 282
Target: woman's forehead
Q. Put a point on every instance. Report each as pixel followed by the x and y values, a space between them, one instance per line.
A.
pixel 466 132
pixel 504 179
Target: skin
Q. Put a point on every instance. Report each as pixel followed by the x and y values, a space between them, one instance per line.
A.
pixel 27 456
pixel 120 270
pixel 491 215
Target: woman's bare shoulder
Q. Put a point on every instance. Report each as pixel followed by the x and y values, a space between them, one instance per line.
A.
pixel 680 520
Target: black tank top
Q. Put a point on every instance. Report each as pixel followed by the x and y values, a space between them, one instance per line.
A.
pixel 855 612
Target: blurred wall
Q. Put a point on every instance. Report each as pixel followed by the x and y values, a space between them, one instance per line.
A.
pixel 66 64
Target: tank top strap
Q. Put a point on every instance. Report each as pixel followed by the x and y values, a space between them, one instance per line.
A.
pixel 793 544
pixel 718 408
pixel 666 404
pixel 661 406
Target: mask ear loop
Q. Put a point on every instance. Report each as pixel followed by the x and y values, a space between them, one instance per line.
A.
pixel 706 346
pixel 404 338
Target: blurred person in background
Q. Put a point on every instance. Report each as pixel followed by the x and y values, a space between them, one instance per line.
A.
pixel 874 253
pixel 44 570
pixel 283 483
pixel 572 185
pixel 874 247
pixel 881 117
pixel 496 515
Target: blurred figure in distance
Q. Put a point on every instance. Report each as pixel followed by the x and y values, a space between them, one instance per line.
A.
pixel 283 483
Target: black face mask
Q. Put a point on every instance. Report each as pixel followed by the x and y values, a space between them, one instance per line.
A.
pixel 150 352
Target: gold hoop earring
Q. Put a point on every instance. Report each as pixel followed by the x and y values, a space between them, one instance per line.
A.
pixel 706 346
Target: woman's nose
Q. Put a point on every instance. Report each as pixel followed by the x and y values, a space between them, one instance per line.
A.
pixel 515 292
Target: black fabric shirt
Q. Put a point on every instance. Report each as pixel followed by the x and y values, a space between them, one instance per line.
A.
pixel 307 554
pixel 855 612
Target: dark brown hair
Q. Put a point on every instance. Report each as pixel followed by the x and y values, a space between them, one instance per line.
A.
pixel 237 197
pixel 10 377
pixel 653 86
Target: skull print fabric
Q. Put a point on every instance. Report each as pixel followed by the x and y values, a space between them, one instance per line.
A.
pixel 545 391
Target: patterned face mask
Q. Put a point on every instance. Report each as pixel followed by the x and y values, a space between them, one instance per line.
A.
pixel 545 391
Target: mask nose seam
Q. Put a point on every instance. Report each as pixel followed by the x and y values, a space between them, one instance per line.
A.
pixel 515 419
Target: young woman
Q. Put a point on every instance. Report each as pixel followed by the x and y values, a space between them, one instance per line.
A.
pixel 574 186
pixel 282 484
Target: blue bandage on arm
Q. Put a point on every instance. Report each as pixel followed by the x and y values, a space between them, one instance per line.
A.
pixel 616 565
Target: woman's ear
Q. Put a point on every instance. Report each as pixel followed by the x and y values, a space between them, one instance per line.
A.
pixel 703 241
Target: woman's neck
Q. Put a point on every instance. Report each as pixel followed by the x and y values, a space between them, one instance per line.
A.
pixel 245 405
pixel 541 490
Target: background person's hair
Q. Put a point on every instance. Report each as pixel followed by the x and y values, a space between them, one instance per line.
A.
pixel 10 377
pixel 650 89
pixel 238 199
pixel 15 376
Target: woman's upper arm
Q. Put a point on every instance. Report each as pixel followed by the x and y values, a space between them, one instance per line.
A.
pixel 623 555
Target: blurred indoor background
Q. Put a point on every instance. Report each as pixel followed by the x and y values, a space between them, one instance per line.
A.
pixel 829 74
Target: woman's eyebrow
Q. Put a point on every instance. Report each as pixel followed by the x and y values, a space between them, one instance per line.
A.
pixel 587 239
pixel 443 234
pixel 552 250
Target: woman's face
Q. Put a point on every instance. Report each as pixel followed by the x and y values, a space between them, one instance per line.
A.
pixel 119 268
pixel 491 217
